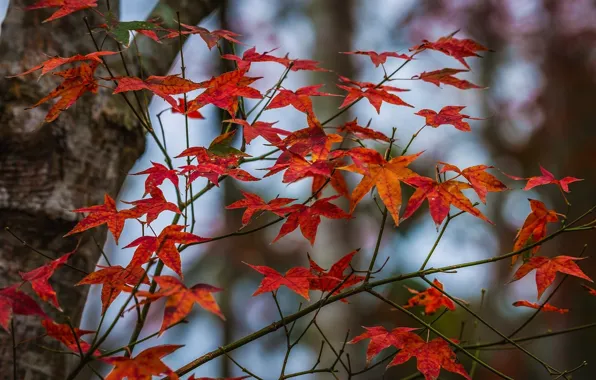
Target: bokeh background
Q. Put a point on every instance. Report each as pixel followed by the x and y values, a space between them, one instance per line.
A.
pixel 539 108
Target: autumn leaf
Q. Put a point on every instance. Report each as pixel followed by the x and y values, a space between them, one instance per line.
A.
pixel 152 207
pixel 143 366
pixel 312 139
pixel 181 299
pixel 362 133
pixel 432 299
pixel 259 128
pixel 309 217
pixel 590 290
pixel 431 357
pixel 302 64
pixel 547 178
pixel 440 197
pixel 543 307
pixel 447 115
pixel 14 301
pixel 164 246
pixel 296 279
pixel 55 62
pixel 210 38
pixel 380 339
pixel 297 168
pixel 251 55
pixel 378 58
pixel 224 92
pixel 77 81
pixel 101 214
pixel 481 181
pixel 326 281
pixel 66 7
pixel 534 226
pixel 157 174
pixel 376 94
pixel 162 86
pixel 446 76
pixel 121 30
pixel 68 336
pixel 454 47
pixel 38 278
pixel 180 108
pixel 546 270
pixel 114 279
pixel 253 204
pixel 385 175
pixel 299 99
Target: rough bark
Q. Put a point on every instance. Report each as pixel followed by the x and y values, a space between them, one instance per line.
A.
pixel 46 170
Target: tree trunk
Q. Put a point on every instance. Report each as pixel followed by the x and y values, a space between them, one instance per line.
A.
pixel 46 170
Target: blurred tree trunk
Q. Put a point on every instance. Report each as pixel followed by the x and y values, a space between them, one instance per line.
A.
pixel 46 170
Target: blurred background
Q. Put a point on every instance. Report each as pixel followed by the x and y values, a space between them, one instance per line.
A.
pixel 538 109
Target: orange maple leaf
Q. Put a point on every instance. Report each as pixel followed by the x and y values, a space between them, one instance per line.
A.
pixel 164 246
pixel 543 307
pixel 385 175
pixel 546 270
pixel 54 62
pixel 114 279
pixel 590 291
pixel 481 181
pixel 253 203
pixel 181 299
pixel 66 7
pixel 296 279
pixel 446 76
pixel 162 86
pixel 440 197
pixel 362 132
pixel 534 226
pixel 101 214
pixel 38 278
pixel 447 115
pixel 143 366
pixel 432 299
pixel 70 337
pixel 181 108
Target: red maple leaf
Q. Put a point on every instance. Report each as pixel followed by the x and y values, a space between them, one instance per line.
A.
pixel 546 270
pixel 447 115
pixel 301 64
pixel 66 7
pixel 157 174
pixel 591 291
pixel 151 206
pixel 14 301
pixel 181 299
pixel 547 178
pixel 77 81
pixel 432 299
pixel 431 357
pixel 446 76
pixel 454 47
pixel 312 139
pixel 54 62
pixel 298 168
pixel 164 246
pixel 440 197
pixel 299 99
pixel 381 339
pixel 534 226
pixel 296 279
pixel 180 108
pixel 326 281
pixel 143 366
pixel 259 128
pixel 162 86
pixel 114 279
pixel 376 94
pixel 67 335
pixel 309 217
pixel 224 91
pixel 378 58
pixel 102 214
pixel 362 133
pixel 385 175
pixel 210 38
pixel 38 278
pixel 543 307
pixel 481 181
pixel 251 55
pixel 253 203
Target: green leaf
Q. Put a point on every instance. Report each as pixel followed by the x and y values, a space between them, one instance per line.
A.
pixel 121 31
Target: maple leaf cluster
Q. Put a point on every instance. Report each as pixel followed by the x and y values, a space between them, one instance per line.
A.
pixel 323 154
